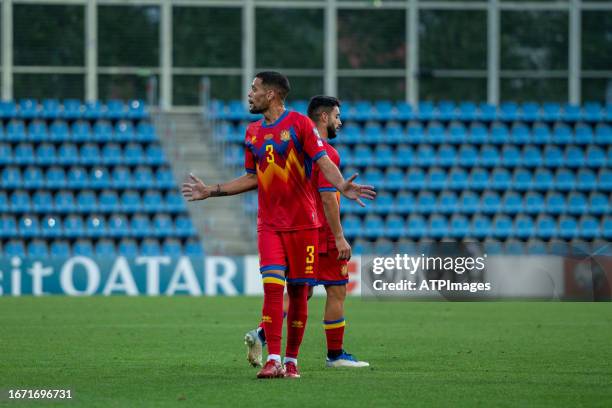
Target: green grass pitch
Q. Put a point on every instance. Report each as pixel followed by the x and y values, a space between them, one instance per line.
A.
pixel 181 351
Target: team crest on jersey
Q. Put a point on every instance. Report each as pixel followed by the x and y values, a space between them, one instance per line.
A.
pixel 344 270
pixel 253 139
pixel 268 136
pixel 284 135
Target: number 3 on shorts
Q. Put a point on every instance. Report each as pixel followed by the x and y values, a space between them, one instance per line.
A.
pixel 310 252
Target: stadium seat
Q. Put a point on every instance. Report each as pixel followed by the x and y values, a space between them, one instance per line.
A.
pixel 37 132
pixel 425 202
pixel 512 202
pixel 480 226
pixel 404 203
pixel 436 179
pixel 68 155
pixel 81 132
pixel 121 178
pixel 14 248
pixel 20 202
pixel 23 154
pixel 589 227
pixel 73 227
pixel 564 180
pixel 524 227
pixel 124 132
pixel 555 203
pixel 502 227
pixel 118 226
pixel 437 227
pixel 29 226
pixel 394 227
pixel 568 227
pixel 153 202
pixel 478 179
pixel 130 202
pixel 599 204
pixel 488 156
pixel 38 249
pixel 172 247
pixel 447 202
pixel 65 202
pixel 105 248
pixel 112 155
pixel 351 225
pixel 51 227
pixel 576 204
pixel 128 248
pixel 404 156
pixel 83 247
pixel 96 227
pixel 60 249
pixel 140 226
pixel 500 179
pixel 163 226
pixel 416 226
pixel 193 248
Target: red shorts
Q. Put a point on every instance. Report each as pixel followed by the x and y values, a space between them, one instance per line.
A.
pixel 294 252
pixel 332 271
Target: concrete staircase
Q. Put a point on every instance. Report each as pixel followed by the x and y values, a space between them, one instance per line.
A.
pixel 221 222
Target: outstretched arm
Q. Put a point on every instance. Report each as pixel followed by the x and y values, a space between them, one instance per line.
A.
pixel 332 214
pixel 194 189
pixel 347 188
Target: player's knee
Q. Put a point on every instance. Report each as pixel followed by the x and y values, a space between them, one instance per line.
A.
pixel 336 292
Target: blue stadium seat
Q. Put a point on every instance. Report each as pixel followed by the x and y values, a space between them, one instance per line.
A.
pixel 555 203
pixel 564 179
pixel 404 111
pixel 373 133
pixel 118 226
pixel 58 131
pixel 524 227
pixel 163 226
pixel 595 157
pixel 416 135
pixel 404 156
pixel 51 227
pixel 20 202
pixel 67 155
pixel 531 156
pixel 416 226
pixel 373 176
pixel 490 203
pixel 193 248
pixel 571 113
pixel 493 247
pixel 394 227
pixel 155 155
pixel 164 178
pixel 37 131
pixel 589 227
pixel 38 249
pixel 394 133
pixel 55 178
pixel 96 227
pixel 351 225
pixel 136 109
pixel 383 203
pixel 112 155
pixel 8 109
pixel 500 179
pixel 33 178
pixel 394 179
pixel 425 155
pixel 108 202
pixel 562 134
pixel 457 179
pixel 404 203
pixel 436 133
pixel 499 134
pixel 134 155
pixel 73 226
pixel 81 132
pixel 50 109
pixel 467 111
pixel 457 133
pixel 128 248
pixel 599 204
pixel 406 246
pixel 15 131
pixel 60 249
pixel 72 109
pixel 530 111
pixel 605 180
pixel 592 111
pixel 437 227
pixel 65 202
pixel 511 156
pixel 23 154
pixel 480 226
pixel 121 178
pixel 436 179
pixel 502 227
pixel 521 179
pixel 469 202
pixel 514 247
pixel 541 134
pixel 459 226
pixel 363 156
pixel 568 227
pixel 153 202
pixel 83 247
pixel 8 226
pixel 447 111
pixel 6 154
pixel 478 134
pixel 144 178
pixel 446 156
pixel 489 156
pixel 536 247
pixel 42 202
pixel 509 111
pixel 115 109
pixel 77 178
pixel 603 134
pixel 383 155
pixel 103 132
pixel 447 202
pixel 94 110
pixel 87 201
pixel 140 226
pixel 130 202
pixel 478 179
pixel 583 134
pixel 145 132
pixel 543 179
pixel 577 204
pixel 124 132
pixel 534 203
pixel 4 203
pixel 426 110
pixel 11 178
pixel 14 248
pixel 105 248
pixel 512 202
pixel 425 202
pixel 553 156
pixel 90 154
pixel 29 226
pixel 99 178
pixel 184 227
pixel 486 112
pixel 172 247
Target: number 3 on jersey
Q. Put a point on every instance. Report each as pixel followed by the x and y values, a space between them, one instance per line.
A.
pixel 310 258
pixel 270 151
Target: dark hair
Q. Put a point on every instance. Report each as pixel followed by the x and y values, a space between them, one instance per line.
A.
pixel 321 103
pixel 275 80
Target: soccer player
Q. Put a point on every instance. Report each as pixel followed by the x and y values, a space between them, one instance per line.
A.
pixel 280 151
pixel 334 250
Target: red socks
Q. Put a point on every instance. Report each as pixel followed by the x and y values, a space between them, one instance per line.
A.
pixel 272 314
pixel 296 318
pixel 334 332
